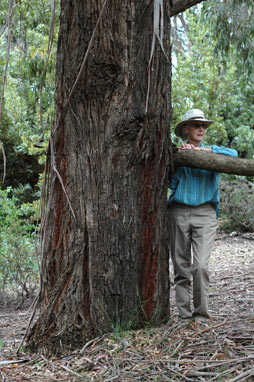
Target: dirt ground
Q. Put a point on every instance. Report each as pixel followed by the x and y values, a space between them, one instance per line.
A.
pixel 221 351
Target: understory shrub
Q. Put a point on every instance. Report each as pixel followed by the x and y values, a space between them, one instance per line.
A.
pixel 237 205
pixel 18 259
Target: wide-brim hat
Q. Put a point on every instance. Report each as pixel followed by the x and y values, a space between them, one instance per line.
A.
pixel 190 116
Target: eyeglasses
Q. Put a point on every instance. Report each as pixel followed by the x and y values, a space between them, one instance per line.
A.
pixel 198 125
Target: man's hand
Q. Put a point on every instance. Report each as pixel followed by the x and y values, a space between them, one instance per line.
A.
pixel 188 146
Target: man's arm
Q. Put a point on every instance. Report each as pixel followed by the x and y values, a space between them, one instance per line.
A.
pixel 224 151
pixel 211 149
pixel 188 146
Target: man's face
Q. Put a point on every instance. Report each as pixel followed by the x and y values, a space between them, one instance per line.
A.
pixel 196 132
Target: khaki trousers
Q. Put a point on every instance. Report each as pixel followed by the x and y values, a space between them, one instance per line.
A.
pixel 192 233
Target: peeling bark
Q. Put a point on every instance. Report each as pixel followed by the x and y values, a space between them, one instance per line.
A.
pixel 109 264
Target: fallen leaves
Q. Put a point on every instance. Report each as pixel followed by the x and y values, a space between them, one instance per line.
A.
pixel 222 351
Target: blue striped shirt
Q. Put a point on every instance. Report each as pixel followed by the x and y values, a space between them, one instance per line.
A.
pixel 194 186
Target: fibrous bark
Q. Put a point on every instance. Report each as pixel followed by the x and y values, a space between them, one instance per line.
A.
pixel 104 231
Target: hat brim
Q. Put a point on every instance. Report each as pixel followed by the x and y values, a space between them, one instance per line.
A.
pixel 181 125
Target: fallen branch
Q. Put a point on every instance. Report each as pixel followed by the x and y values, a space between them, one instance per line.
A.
pixel 214 162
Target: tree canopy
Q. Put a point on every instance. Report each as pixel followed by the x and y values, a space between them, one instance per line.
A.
pixel 212 46
pixel 212 75
pixel 27 107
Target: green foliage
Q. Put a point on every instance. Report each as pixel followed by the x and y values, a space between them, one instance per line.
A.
pixel 221 88
pixel 221 85
pixel 28 108
pixel 30 83
pixel 232 24
pixel 27 113
pixel 197 78
pixel 18 261
pixel 237 205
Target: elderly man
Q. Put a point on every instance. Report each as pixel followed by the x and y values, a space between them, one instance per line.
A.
pixel 193 211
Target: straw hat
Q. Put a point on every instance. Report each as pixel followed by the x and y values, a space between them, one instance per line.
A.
pixel 190 116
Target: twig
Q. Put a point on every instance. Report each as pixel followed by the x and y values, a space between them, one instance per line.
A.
pixel 70 371
pixel 219 375
pixel 180 374
pixel 97 339
pixel 243 376
pixel 213 327
pixel 178 346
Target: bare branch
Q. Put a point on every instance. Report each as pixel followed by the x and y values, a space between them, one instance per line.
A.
pixel 214 162
pixel 181 5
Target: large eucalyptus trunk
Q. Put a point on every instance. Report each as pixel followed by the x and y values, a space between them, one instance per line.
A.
pixel 104 233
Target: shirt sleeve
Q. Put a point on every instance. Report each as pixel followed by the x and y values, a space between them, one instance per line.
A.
pixel 224 151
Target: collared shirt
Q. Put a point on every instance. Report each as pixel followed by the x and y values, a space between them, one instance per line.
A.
pixel 194 186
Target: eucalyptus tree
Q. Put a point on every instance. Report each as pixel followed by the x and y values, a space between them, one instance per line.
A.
pixel 104 242
pixel 221 87
pixel 232 25
pixel 104 232
pixel 27 102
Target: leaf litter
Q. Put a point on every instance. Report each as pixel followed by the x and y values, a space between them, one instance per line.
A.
pixel 223 350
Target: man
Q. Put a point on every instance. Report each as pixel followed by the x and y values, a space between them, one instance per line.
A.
pixel 193 211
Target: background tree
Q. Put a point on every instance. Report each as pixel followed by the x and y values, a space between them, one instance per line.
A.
pixel 27 109
pixel 232 26
pixel 28 100
pixel 203 77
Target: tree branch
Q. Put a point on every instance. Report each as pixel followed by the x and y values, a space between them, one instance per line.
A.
pixel 181 5
pixel 214 162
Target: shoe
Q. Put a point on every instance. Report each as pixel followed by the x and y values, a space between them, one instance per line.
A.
pixel 202 319
pixel 184 321
pixel 184 318
pixel 202 322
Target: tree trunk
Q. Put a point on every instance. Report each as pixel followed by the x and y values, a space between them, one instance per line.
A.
pixel 213 162
pixel 104 233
